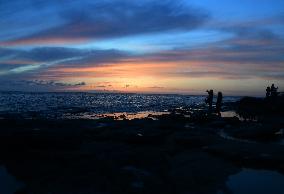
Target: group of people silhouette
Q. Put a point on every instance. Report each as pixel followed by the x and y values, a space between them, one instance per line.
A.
pixel 272 91
pixel 209 101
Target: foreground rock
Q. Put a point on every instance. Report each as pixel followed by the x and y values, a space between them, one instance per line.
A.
pixel 174 153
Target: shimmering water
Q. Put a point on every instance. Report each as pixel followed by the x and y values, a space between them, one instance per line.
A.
pixel 58 104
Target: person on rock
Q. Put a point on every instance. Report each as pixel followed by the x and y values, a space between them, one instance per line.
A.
pixel 209 99
pixel 274 90
pixel 219 103
pixel 268 92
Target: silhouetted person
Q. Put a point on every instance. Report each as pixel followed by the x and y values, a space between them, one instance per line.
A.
pixel 274 90
pixel 219 103
pixel 268 92
pixel 209 99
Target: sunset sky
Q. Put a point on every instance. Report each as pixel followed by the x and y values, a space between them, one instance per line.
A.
pixel 149 46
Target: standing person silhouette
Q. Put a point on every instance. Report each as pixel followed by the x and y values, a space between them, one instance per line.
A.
pixel 209 99
pixel 274 90
pixel 268 92
pixel 219 103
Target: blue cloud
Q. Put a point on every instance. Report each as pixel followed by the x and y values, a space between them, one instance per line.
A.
pixel 102 19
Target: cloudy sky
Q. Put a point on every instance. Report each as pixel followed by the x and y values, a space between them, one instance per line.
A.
pixel 181 46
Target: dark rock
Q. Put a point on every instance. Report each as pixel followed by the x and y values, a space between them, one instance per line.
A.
pixel 252 108
pixel 196 172
pixel 254 131
pixel 130 179
pixel 192 139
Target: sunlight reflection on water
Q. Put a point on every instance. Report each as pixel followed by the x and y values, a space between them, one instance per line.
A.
pixel 117 116
pixel 57 104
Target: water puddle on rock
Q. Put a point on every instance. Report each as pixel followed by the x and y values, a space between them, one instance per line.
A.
pixel 250 181
pixel 8 183
pixel 226 114
pixel 229 114
pixel 226 136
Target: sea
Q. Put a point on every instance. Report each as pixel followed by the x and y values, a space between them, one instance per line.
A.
pixel 91 105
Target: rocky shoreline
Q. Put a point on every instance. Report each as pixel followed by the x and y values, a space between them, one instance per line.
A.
pixel 180 152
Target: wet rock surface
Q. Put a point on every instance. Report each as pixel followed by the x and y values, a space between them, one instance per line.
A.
pixel 181 152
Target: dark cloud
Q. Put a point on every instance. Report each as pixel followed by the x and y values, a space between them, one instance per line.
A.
pixel 5 67
pixel 247 46
pixel 37 85
pixel 108 19
pixel 45 54
pixel 91 58
pixel 39 59
pixel 7 53
pixel 102 85
pixel 49 54
pixel 156 87
pixel 52 83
